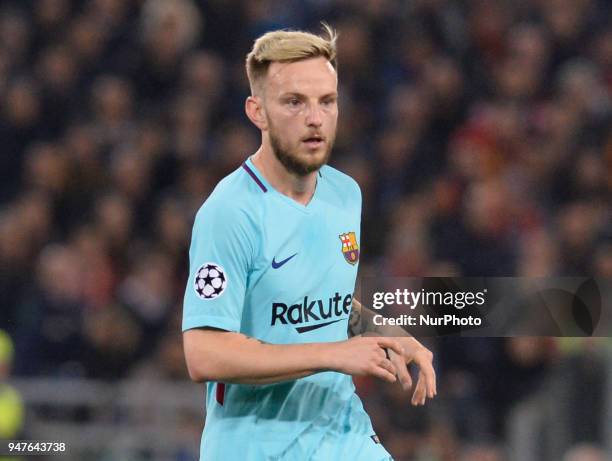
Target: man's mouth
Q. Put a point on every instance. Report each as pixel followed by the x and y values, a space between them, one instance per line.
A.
pixel 314 141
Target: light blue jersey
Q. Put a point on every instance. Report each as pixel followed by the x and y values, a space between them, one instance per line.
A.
pixel 264 265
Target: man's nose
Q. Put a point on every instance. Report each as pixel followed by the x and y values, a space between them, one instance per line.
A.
pixel 313 117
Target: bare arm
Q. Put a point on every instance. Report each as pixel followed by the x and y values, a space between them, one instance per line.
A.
pixel 216 355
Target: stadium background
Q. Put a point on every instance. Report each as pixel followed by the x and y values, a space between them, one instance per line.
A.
pixel 479 131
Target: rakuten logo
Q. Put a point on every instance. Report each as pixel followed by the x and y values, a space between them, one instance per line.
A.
pixel 315 310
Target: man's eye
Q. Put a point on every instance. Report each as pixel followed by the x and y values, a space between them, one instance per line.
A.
pixel 293 102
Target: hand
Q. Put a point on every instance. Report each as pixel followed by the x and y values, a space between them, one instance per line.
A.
pixel 413 351
pixel 361 356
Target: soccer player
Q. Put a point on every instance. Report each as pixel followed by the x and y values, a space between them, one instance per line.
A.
pixel 273 263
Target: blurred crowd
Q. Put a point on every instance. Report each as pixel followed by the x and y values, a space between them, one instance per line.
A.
pixel 479 131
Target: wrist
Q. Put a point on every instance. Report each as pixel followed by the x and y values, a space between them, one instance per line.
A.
pixel 328 356
pixel 410 344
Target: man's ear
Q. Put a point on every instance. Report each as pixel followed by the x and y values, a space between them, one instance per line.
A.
pixel 254 109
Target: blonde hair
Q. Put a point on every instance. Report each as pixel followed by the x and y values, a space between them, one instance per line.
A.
pixel 288 46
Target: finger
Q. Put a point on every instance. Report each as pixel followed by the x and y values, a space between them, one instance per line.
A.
pixel 429 375
pixel 424 392
pixel 401 370
pixel 392 344
pixel 387 365
pixel 384 374
pixel 418 398
pixel 432 389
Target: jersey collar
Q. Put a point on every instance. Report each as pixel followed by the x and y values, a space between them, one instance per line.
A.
pixel 265 186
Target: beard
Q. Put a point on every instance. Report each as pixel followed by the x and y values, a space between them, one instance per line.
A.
pixel 291 159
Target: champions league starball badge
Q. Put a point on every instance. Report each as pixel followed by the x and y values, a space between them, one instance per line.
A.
pixel 210 281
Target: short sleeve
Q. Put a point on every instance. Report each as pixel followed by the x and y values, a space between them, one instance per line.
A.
pixel 220 259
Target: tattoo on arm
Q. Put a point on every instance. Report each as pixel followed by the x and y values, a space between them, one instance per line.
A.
pixel 361 321
pixel 355 326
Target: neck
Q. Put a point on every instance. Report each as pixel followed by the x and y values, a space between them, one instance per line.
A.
pixel 299 188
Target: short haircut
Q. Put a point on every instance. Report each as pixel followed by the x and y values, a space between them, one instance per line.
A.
pixel 288 46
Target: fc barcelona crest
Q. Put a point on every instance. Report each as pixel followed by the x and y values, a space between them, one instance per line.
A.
pixel 350 248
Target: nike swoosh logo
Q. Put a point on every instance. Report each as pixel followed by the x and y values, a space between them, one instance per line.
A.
pixel 276 265
pixel 315 327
